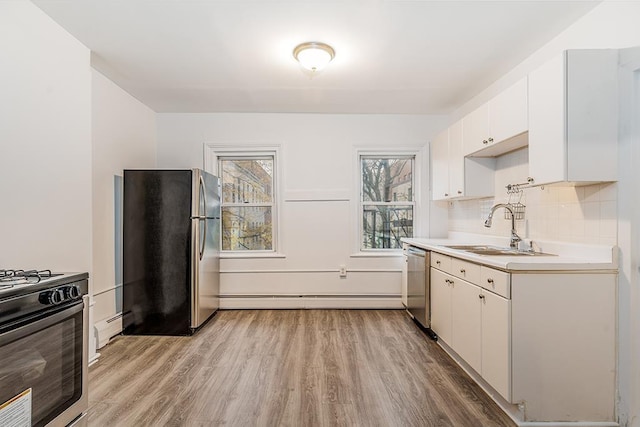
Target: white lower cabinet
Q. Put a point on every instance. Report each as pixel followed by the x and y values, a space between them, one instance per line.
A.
pixel 441 305
pixel 543 340
pixel 474 322
pixel 496 343
pixel 563 331
pixel 466 319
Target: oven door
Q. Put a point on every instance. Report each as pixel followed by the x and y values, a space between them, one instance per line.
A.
pixel 44 361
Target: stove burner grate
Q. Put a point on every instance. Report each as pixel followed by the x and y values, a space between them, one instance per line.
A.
pixel 11 277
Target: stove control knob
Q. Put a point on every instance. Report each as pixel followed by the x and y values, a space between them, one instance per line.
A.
pixel 72 292
pixel 53 297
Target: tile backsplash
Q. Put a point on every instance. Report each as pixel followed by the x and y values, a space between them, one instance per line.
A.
pixel 586 214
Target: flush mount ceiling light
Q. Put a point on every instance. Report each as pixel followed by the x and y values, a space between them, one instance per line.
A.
pixel 313 56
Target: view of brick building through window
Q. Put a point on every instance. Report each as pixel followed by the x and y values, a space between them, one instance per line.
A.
pixel 387 201
pixel 247 203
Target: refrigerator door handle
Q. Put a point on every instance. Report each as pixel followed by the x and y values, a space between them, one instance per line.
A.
pixel 204 239
pixel 203 189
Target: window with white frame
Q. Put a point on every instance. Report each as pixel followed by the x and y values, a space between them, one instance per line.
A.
pixel 386 200
pixel 247 201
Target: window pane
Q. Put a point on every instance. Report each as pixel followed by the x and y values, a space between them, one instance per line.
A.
pixel 247 181
pixel 386 179
pixel 383 226
pixel 246 228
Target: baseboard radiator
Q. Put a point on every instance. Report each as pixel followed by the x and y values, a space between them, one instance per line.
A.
pixel 107 329
pixel 284 301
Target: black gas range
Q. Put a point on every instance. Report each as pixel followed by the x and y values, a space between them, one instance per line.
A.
pixel 43 347
pixel 25 292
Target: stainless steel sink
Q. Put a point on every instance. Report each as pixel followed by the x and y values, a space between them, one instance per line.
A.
pixel 472 247
pixel 495 250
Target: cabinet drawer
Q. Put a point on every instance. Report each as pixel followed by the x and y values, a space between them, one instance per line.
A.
pixel 441 262
pixel 495 281
pixel 465 270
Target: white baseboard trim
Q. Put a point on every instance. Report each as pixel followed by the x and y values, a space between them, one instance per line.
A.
pixel 314 302
pixel 107 329
pixel 94 359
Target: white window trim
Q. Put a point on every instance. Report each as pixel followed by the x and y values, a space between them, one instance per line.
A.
pixel 418 154
pixel 214 150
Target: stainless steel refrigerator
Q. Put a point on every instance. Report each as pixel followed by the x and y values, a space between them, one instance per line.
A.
pixel 171 244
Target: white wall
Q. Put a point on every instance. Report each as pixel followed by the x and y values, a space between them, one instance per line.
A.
pixel 612 24
pixel 124 136
pixel 318 162
pixel 65 132
pixel 45 134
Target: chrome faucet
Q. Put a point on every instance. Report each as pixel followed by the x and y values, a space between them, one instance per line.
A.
pixel 514 236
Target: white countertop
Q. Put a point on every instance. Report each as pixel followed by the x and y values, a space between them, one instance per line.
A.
pixel 566 256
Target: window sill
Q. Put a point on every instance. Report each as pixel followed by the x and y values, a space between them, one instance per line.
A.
pixel 391 254
pixel 239 255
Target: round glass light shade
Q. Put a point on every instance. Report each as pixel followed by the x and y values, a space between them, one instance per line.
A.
pixel 313 56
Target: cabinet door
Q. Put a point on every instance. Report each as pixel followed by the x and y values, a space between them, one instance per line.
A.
pixel 466 315
pixel 592 115
pixel 508 112
pixel 496 343
pixel 441 305
pixel 547 143
pixel 475 130
pixel 456 160
pixel 440 166
pixel 573 121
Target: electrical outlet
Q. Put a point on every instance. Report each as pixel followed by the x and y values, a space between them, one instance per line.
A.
pixel 343 271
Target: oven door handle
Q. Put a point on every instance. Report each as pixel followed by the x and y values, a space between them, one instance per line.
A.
pixel 37 323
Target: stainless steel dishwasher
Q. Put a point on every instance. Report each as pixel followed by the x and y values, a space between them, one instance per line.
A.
pixel 418 287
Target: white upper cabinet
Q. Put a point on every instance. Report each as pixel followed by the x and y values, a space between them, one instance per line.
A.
pixel 508 112
pixel 476 129
pixel 455 176
pixel 488 130
pixel 440 166
pixel 573 118
pixel 456 160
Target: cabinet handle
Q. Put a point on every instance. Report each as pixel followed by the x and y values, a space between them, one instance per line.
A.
pixel 462 270
pixel 530 180
pixel 438 262
pixel 490 280
pixel 446 194
pixel 459 192
pixel 485 142
pixel 490 139
pixel 481 296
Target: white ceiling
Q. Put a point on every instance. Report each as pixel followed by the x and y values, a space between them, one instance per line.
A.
pixel 392 56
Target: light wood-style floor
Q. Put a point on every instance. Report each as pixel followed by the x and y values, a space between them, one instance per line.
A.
pixel 287 368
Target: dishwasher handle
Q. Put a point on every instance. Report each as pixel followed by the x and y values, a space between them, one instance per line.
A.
pixel 417 252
